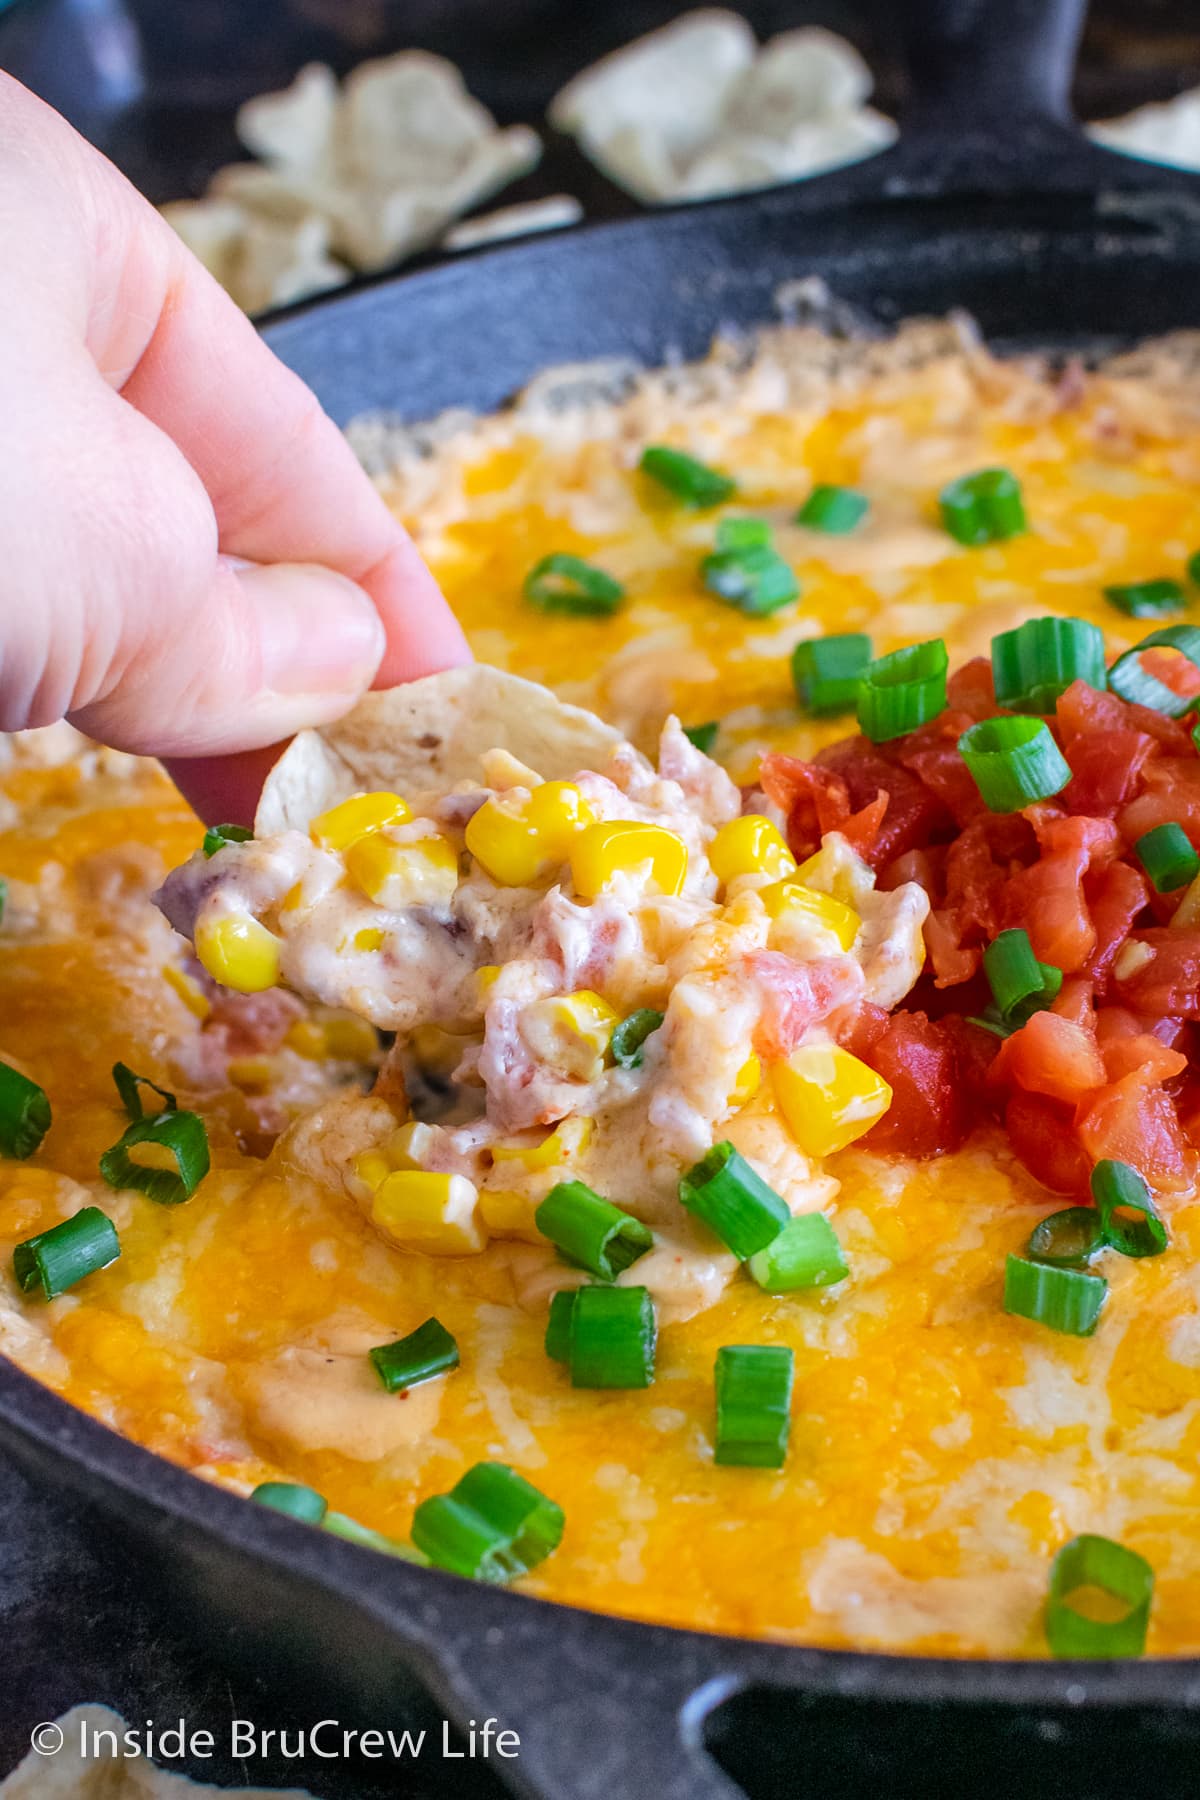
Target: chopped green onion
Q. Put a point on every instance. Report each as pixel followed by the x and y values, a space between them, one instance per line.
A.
pixel 613 1337
pixel 493 1525
pixel 628 1041
pixel 1020 984
pixel 341 1525
pixel 289 1497
pixel 24 1113
pixel 691 481
pixel 743 534
pixel 758 582
pixel 1147 599
pixel 180 1133
pixel 1122 1575
pixel 983 508
pixel 754 1399
pixel 826 672
pixel 561 583
pixel 903 690
pixel 1193 567
pixel 55 1260
pixel 590 1231
pixel 1013 762
pixel 558 1325
pixel 428 1351
pixel 128 1085
pixel 1038 661
pixel 734 1201
pixel 217 836
pixel 1069 1238
pixel 806 1254
pixel 1119 1190
pixel 1064 1299
pixel 1167 856
pixel 989 1020
pixel 1128 678
pixel 833 509
pixel 703 736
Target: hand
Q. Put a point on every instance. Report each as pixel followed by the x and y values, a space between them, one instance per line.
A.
pixel 191 560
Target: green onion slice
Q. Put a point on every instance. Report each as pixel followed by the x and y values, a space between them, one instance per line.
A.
pixel 689 480
pixel 1068 1239
pixel 55 1260
pixel 217 836
pixel 561 583
pixel 1147 599
pixel 1020 984
pixel 1107 1569
pixel 833 509
pixel 1167 856
pixel 703 736
pixel 743 534
pixel 734 1201
pixel 628 1041
pixel 826 672
pixel 754 1400
pixel 1119 1190
pixel 493 1525
pixel 343 1526
pixel 1128 678
pixel 128 1085
pixel 558 1325
pixel 614 1334
pixel 1064 1299
pixel 1038 661
pixel 757 581
pixel 806 1254
pixel 24 1113
pixel 289 1497
pixel 983 508
pixel 1193 567
pixel 428 1351
pixel 903 690
pixel 182 1134
pixel 1013 762
pixel 590 1231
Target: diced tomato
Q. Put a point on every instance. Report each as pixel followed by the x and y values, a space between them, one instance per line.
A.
pixel 1107 772
pixel 1168 986
pixel 1171 795
pixel 796 996
pixel 817 800
pixel 972 690
pixel 920 866
pixel 1048 898
pixel 859 1028
pixel 952 961
pixel 1142 1054
pixel 1052 1056
pixel 1115 896
pixel 1040 1133
pixel 1175 671
pixel 1134 1121
pixel 928 1115
pixel 942 771
pixel 1075 1001
pixel 913 815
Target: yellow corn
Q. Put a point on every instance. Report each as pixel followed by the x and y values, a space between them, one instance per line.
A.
pixel 748 1081
pixel 570 1032
pixel 750 845
pixel 624 846
pixel 253 1072
pixel 307 1038
pixel 509 1214
pixel 343 825
pixel 189 991
pixel 409 1145
pixel 368 939
pixel 519 838
pixel 371 1170
pixel 828 1097
pixel 436 1213
pixel 423 873
pixel 566 1140
pixel 342 1035
pixel 293 900
pixel 836 869
pixel 485 980
pixel 238 952
pixel 788 896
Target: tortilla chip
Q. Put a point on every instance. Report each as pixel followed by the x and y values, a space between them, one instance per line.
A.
pixel 428 736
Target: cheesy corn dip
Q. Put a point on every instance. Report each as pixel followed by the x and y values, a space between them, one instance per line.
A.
pixel 719 1166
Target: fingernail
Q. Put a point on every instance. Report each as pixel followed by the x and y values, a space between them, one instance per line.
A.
pixel 319 633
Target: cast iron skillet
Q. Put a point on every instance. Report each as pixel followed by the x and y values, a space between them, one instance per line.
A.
pixel 992 201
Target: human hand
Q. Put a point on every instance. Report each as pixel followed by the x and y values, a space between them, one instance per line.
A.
pixel 192 562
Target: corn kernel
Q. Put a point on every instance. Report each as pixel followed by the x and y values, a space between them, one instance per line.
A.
pixel 509 1214
pixel 750 845
pixel 343 825
pixel 791 896
pixel 369 938
pixel 409 1145
pixel 349 1038
pixel 828 1097
pixel 570 1032
pixel 625 846
pixel 423 873
pixel 239 952
pixel 520 840
pixel 485 980
pixel 568 1139
pixel 747 1082
pixel 435 1213
pixel 293 900
pixel 838 870
pixel 307 1038
pixel 252 1072
pixel 189 991
pixel 372 1168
